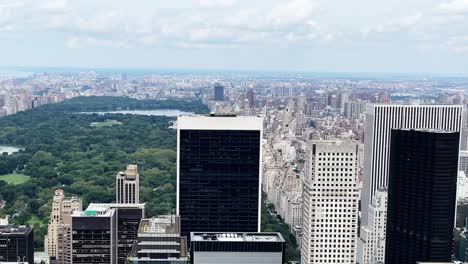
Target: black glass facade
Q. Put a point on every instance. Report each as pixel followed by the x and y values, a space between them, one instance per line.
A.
pixel 219 180
pixel 421 196
pixel 93 240
pixel 16 244
pixel 128 221
pixel 218 92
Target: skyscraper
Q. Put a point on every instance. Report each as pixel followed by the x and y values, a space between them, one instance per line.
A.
pixel 218 92
pixel 251 98
pixel 421 196
pixel 219 173
pixel 374 232
pixel 380 119
pixel 16 244
pixel 109 229
pixel 60 220
pixel 128 186
pixel 330 203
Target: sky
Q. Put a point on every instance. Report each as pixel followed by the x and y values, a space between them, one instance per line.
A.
pixel 395 36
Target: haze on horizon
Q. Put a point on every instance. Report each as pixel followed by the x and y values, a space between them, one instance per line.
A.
pixel 314 35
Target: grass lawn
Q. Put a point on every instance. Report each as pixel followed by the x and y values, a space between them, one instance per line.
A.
pixel 34 220
pixel 14 178
pixel 106 123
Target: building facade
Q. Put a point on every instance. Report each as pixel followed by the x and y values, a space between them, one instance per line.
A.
pixel 330 203
pixel 219 173
pixel 380 119
pixel 105 232
pixel 159 241
pixel 218 92
pixel 373 235
pixel 128 186
pixel 16 244
pixel 421 196
pixel 60 220
pixel 237 248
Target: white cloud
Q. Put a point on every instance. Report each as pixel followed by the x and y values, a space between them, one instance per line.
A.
pixel 216 3
pixel 402 23
pixel 79 42
pixel 454 6
pixel 291 12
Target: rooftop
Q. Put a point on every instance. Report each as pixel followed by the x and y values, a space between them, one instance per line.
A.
pixel 237 237
pixel 219 122
pixel 14 230
pixel 163 224
pixel 105 210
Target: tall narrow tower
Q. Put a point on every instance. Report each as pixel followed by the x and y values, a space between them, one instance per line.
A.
pixel 380 120
pixel 128 186
pixel 330 203
pixel 219 173
pixel 421 196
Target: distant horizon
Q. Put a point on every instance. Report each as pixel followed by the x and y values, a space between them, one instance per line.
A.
pixel 152 70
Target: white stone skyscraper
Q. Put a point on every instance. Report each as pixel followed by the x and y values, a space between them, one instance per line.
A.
pixel 330 203
pixel 128 186
pixel 374 233
pixel 60 219
pixel 380 119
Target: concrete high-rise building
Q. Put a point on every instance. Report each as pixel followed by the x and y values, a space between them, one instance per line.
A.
pixel 251 98
pixel 218 92
pixel 380 119
pixel 236 248
pixel 422 192
pixel 128 186
pixel 219 173
pixel 109 229
pixel 60 220
pixel 374 233
pixel 16 244
pixel 159 241
pixel 330 203
pixel 464 162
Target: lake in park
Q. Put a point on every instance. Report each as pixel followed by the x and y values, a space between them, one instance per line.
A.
pixel 161 112
pixel 8 149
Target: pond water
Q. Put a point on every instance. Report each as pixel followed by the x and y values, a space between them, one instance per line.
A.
pixel 160 112
pixel 8 149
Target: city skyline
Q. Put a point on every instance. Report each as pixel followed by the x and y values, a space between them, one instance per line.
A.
pixel 305 35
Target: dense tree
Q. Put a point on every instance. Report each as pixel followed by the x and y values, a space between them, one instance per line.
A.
pixel 63 150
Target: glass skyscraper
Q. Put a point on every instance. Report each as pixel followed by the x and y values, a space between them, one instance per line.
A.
pixel 219 173
pixel 421 196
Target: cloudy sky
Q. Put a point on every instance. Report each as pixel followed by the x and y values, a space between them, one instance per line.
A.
pixel 401 36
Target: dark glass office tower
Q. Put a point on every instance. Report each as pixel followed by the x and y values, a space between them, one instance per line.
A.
pixel 218 92
pixel 16 245
pixel 218 187
pixel 421 196
pixel 105 233
pixel 128 222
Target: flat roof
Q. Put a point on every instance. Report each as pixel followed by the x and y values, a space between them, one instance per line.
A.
pixel 163 224
pixel 105 210
pixel 13 230
pixel 203 122
pixel 236 237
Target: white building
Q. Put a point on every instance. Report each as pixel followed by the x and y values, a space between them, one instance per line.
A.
pixel 330 203
pixel 380 119
pixel 60 218
pixel 128 186
pixel 372 241
pixel 462 186
pixel 463 166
